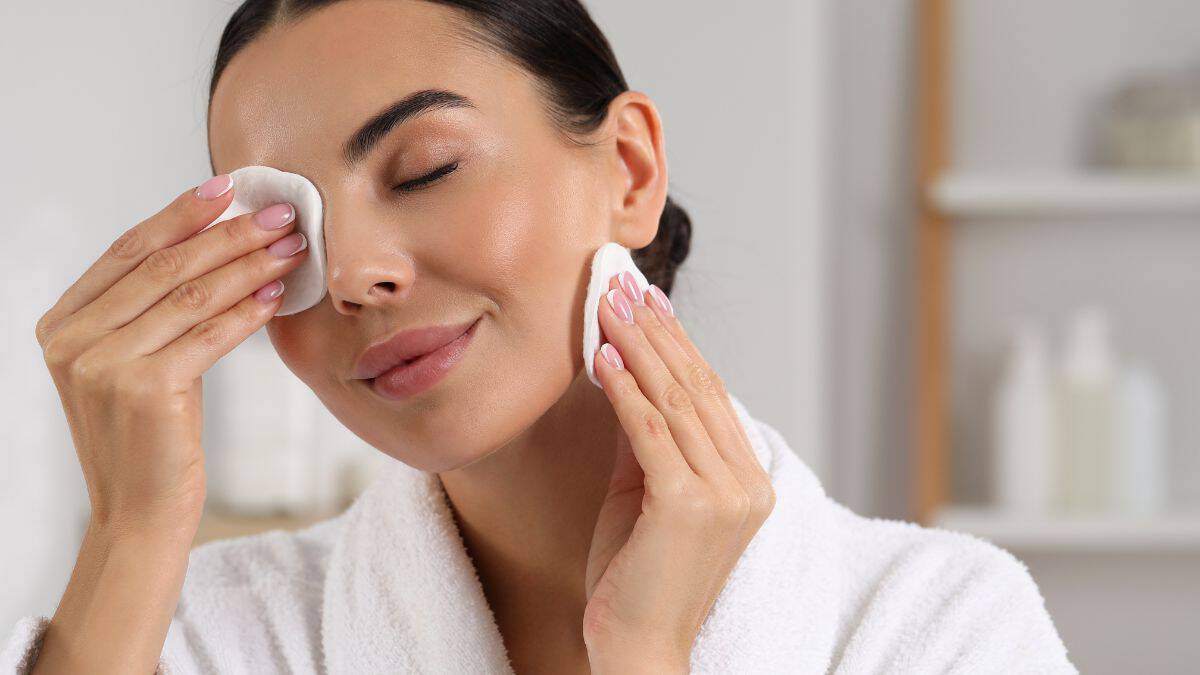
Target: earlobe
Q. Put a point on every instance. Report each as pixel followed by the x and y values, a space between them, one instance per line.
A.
pixel 640 165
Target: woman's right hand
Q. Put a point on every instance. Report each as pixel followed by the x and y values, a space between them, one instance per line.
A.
pixel 127 343
pixel 126 346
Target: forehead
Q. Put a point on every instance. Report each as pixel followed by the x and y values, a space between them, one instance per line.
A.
pixel 293 96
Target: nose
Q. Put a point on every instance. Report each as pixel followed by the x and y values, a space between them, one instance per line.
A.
pixel 366 262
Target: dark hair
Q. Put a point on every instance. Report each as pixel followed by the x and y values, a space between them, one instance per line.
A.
pixel 556 41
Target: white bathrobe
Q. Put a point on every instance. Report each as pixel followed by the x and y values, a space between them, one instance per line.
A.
pixel 387 587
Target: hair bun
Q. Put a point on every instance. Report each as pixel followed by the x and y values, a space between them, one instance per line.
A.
pixel 671 245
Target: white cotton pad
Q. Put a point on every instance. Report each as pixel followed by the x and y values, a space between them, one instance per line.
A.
pixel 610 259
pixel 256 187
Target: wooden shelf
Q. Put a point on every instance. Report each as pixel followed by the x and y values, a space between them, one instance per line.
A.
pixel 1076 532
pixel 1044 194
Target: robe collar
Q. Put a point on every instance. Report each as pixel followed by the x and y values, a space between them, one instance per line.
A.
pixel 402 594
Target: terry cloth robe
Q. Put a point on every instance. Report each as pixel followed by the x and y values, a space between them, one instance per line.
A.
pixel 387 587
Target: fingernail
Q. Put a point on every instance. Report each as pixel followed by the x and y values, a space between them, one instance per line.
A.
pixel 289 245
pixel 661 299
pixel 620 304
pixel 629 285
pixel 270 291
pixel 610 354
pixel 275 217
pixel 214 187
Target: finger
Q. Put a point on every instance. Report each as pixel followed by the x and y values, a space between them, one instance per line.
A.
pixel 201 299
pixel 183 217
pixel 741 458
pixel 659 385
pixel 205 343
pixel 170 269
pixel 694 373
pixel 645 426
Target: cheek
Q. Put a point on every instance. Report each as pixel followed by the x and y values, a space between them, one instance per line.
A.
pixel 303 346
pixel 528 236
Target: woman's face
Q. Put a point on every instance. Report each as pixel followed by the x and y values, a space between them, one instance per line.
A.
pixel 507 237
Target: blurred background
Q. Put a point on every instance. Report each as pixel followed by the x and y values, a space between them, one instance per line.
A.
pixel 947 247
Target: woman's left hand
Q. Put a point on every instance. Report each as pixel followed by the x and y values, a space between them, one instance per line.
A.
pixel 686 497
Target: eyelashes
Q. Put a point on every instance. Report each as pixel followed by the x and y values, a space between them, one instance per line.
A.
pixel 426 180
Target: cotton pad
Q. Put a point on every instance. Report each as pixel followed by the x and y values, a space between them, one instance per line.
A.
pixel 256 187
pixel 610 259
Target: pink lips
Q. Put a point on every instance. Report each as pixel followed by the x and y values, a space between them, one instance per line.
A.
pixel 405 346
pixel 411 377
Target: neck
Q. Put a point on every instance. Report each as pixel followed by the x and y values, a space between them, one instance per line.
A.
pixel 528 510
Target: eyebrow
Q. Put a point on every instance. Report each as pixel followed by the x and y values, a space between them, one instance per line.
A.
pixel 417 103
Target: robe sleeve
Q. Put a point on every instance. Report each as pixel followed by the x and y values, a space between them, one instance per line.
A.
pixel 956 604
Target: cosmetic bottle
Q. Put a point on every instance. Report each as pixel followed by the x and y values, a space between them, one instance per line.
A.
pixel 1024 426
pixel 1139 465
pixel 1088 407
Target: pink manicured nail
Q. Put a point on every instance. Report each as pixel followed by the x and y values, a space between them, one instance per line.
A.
pixel 214 187
pixel 270 291
pixel 289 245
pixel 620 305
pixel 661 299
pixel 610 354
pixel 275 217
pixel 629 285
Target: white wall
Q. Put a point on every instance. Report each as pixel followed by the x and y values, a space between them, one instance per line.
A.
pixel 869 267
pixel 743 95
pixel 103 122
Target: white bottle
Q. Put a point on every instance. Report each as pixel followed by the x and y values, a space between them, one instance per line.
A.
pixel 1088 408
pixel 1024 427
pixel 1139 468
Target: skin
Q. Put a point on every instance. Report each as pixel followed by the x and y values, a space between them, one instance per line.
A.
pixel 603 522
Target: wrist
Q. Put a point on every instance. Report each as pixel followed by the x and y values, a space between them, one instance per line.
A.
pixel 154 529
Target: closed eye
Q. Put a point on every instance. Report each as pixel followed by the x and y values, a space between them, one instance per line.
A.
pixel 424 181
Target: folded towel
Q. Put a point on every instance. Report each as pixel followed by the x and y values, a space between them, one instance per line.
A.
pixel 387 586
pixel 256 187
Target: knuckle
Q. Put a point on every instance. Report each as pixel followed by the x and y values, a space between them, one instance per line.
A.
pixel 128 245
pixel 762 499
pixel 701 377
pixel 42 329
pixel 167 263
pixel 242 314
pixel 210 333
pixel 655 424
pixel 624 388
pixel 56 352
pixel 675 398
pixel 87 368
pixel 238 232
pixel 191 296
pixel 716 383
pixel 737 508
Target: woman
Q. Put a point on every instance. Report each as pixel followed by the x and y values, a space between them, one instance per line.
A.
pixel 472 156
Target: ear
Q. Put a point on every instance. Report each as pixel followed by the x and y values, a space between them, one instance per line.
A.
pixel 639 169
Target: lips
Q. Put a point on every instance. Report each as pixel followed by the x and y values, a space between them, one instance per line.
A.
pixel 406 346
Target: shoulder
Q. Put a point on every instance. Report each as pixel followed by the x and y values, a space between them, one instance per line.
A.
pixel 897 596
pixel 933 599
